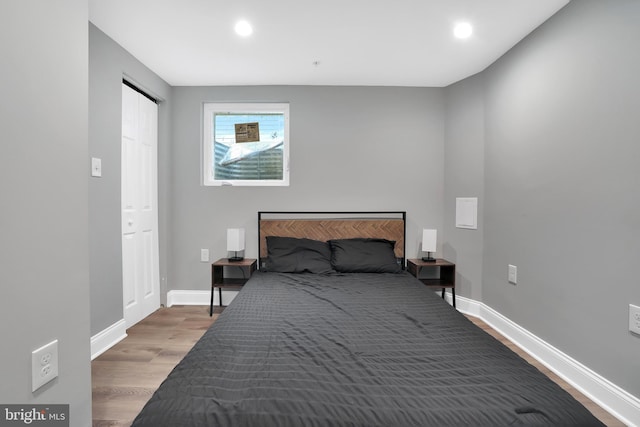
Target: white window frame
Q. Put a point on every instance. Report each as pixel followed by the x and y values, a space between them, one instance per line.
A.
pixel 208 166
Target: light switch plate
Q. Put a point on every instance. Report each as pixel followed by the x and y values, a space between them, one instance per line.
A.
pixel 634 319
pixel 204 255
pixel 96 167
pixel 513 274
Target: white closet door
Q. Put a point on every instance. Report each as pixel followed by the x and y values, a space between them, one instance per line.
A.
pixel 140 265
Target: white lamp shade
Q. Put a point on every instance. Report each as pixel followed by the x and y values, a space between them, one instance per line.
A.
pixel 235 239
pixel 429 239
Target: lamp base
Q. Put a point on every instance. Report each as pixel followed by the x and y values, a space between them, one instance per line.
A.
pixel 235 259
pixel 428 259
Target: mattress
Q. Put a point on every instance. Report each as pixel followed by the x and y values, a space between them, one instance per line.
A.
pixel 353 350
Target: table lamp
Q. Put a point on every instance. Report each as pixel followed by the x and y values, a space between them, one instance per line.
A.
pixel 429 238
pixel 235 243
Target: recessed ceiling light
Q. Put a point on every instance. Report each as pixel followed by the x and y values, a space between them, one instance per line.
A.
pixel 243 28
pixel 462 30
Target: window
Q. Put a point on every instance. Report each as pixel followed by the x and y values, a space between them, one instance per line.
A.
pixel 246 144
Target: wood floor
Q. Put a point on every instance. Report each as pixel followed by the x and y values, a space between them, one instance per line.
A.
pixel 125 376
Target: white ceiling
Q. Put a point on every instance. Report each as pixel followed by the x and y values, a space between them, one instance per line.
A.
pixel 354 42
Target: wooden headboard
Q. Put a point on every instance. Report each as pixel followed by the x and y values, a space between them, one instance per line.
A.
pixel 333 225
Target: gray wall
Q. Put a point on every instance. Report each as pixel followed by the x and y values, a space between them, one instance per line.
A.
pixel 108 64
pixel 44 169
pixel 561 185
pixel 464 177
pixel 352 148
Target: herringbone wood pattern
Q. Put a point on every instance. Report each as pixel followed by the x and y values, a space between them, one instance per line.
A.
pixel 327 229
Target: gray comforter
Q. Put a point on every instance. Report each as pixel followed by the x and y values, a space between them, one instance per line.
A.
pixel 353 350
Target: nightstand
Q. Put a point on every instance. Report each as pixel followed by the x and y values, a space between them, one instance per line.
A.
pixel 446 271
pixel 247 266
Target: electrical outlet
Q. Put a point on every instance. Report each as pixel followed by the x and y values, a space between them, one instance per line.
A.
pixel 513 274
pixel 634 319
pixel 204 255
pixel 44 365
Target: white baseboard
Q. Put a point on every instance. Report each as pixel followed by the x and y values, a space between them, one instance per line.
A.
pixel 185 297
pixel 104 340
pixel 189 298
pixel 464 305
pixel 617 401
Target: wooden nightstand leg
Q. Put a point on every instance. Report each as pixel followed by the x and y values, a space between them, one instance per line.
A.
pixel 453 294
pixel 442 293
pixel 220 296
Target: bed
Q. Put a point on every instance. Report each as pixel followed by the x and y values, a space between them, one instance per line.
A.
pixel 358 343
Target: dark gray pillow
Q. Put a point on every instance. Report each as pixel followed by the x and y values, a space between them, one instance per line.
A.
pixel 364 256
pixel 292 255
